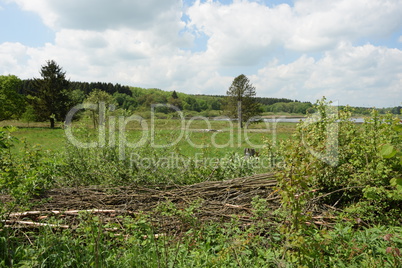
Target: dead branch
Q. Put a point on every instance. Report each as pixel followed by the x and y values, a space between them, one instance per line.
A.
pixel 32 224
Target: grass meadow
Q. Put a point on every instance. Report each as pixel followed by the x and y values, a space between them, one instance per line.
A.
pixel 189 139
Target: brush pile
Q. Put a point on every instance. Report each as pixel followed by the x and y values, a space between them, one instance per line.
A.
pixel 219 201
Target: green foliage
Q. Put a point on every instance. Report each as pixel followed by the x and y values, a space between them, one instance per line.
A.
pixel 191 104
pixel 29 114
pixel 76 96
pixel 12 104
pixel 343 163
pixel 242 93
pixel 343 246
pixel 136 242
pixel 175 101
pixel 367 111
pixel 6 139
pixel 98 98
pixel 25 175
pixel 330 160
pixel 139 99
pixel 50 94
pixel 148 165
pixel 289 107
pixel 125 101
pixel 390 150
pixel 174 95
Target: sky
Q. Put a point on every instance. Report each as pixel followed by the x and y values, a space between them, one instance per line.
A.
pixel 348 51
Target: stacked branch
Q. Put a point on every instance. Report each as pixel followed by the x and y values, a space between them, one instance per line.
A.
pixel 219 200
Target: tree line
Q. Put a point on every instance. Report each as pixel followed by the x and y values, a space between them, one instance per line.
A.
pixel 28 85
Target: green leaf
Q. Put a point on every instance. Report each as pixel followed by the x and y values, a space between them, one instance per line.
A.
pixel 396 182
pixel 398 127
pixel 2 144
pixel 388 151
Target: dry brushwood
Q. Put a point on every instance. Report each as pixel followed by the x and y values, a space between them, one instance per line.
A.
pixel 239 191
pixel 218 200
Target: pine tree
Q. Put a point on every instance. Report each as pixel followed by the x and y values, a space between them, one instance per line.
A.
pixel 50 99
pixel 174 95
pixel 241 102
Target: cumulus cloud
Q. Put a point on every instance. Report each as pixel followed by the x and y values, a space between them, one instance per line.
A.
pixel 240 33
pixel 323 24
pixel 244 32
pixel 12 55
pixel 95 38
pixel 301 51
pixel 156 22
pixel 364 75
pixel 101 14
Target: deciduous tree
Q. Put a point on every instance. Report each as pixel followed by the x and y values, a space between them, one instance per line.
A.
pixel 97 97
pixel 11 103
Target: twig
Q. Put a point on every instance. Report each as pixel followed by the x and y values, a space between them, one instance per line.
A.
pixel 236 206
pixel 68 212
pixel 35 224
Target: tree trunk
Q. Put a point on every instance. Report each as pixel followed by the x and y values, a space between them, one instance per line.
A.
pixel 239 114
pixel 51 122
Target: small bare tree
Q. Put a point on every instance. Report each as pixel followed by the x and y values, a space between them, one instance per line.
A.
pixel 97 97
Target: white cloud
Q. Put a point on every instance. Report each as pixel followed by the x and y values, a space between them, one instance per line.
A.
pixel 300 52
pixel 154 22
pixel 364 75
pixel 241 33
pixel 101 14
pixel 249 28
pixel 103 39
pixel 13 58
pixel 323 24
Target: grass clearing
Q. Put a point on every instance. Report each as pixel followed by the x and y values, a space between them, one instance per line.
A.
pixel 213 138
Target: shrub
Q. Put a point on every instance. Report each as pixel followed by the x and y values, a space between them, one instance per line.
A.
pixel 24 174
pixel 337 161
pixel 148 165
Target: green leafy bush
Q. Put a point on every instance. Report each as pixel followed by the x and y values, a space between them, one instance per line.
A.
pixel 23 174
pixel 342 163
pixel 147 165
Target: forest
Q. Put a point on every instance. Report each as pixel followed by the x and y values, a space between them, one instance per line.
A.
pixel 16 96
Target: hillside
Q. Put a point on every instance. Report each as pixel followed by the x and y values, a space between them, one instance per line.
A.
pixel 140 99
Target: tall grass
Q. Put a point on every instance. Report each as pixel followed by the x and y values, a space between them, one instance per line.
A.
pixel 137 244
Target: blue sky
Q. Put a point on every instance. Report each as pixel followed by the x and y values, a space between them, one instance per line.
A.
pixel 348 51
pixel 23 26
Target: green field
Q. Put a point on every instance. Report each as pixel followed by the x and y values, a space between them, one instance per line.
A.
pixel 190 140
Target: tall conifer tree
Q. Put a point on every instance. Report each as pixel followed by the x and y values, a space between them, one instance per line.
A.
pixel 50 99
pixel 241 102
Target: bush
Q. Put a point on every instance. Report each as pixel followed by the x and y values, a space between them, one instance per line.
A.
pixel 342 163
pixel 148 165
pixel 24 174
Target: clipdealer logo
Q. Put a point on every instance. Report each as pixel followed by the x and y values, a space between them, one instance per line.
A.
pixel 108 125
